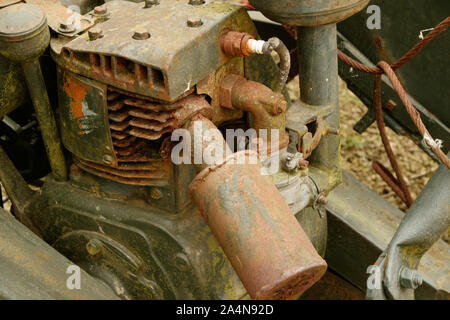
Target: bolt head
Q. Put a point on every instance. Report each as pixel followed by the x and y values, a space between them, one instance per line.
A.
pixel 94 246
pixel 108 159
pixel 194 22
pixel 196 2
pixel 150 3
pixel 101 10
pixel 141 34
pixel 65 27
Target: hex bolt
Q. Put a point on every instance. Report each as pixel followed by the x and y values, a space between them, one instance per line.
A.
pixel 66 28
pixel 196 2
pixel 94 246
pixel 410 278
pixel 95 33
pixel 108 159
pixel 141 34
pixel 101 10
pixel 150 3
pixel 194 22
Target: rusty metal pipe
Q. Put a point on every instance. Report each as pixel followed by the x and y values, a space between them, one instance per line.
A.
pixel 266 106
pixel 206 139
pixel 259 234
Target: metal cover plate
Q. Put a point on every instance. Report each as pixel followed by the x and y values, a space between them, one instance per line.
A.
pixel 84 119
pixel 185 55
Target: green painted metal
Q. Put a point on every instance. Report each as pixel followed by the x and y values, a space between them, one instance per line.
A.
pixel 360 226
pixel 24 36
pixel 84 117
pixel 32 269
pixel 147 252
pixel 13 90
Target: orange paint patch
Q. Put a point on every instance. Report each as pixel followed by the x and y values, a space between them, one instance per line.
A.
pixel 76 91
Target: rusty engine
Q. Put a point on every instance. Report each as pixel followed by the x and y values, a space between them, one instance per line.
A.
pixel 139 82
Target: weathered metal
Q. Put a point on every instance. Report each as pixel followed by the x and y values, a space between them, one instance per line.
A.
pixel 13 90
pixel 426 220
pixel 360 226
pixel 125 216
pixel 266 106
pixel 167 74
pixel 17 189
pixel 317 58
pixel 58 15
pixel 149 249
pixel 25 35
pixel 234 44
pixel 333 287
pixel 256 229
pixel 317 55
pixel 32 269
pixel 309 13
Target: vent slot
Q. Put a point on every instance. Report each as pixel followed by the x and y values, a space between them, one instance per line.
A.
pixel 117 71
pixel 138 129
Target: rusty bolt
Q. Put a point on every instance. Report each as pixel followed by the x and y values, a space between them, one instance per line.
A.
pixel 194 22
pixel 226 89
pixel 66 27
pixel 94 246
pixel 150 3
pixel 410 278
pixel 196 2
pixel 141 34
pixel 95 33
pixel 156 194
pixel 101 10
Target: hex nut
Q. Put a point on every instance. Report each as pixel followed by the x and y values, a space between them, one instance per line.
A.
pixel 194 22
pixel 66 27
pixel 141 35
pixel 226 90
pixel 95 33
pixel 101 10
pixel 410 278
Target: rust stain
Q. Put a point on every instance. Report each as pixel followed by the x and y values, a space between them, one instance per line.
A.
pixel 76 92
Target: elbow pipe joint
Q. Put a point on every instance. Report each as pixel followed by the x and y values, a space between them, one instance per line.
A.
pixel 267 107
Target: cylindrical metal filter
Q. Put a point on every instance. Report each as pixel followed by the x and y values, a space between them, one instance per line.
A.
pixel 256 229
